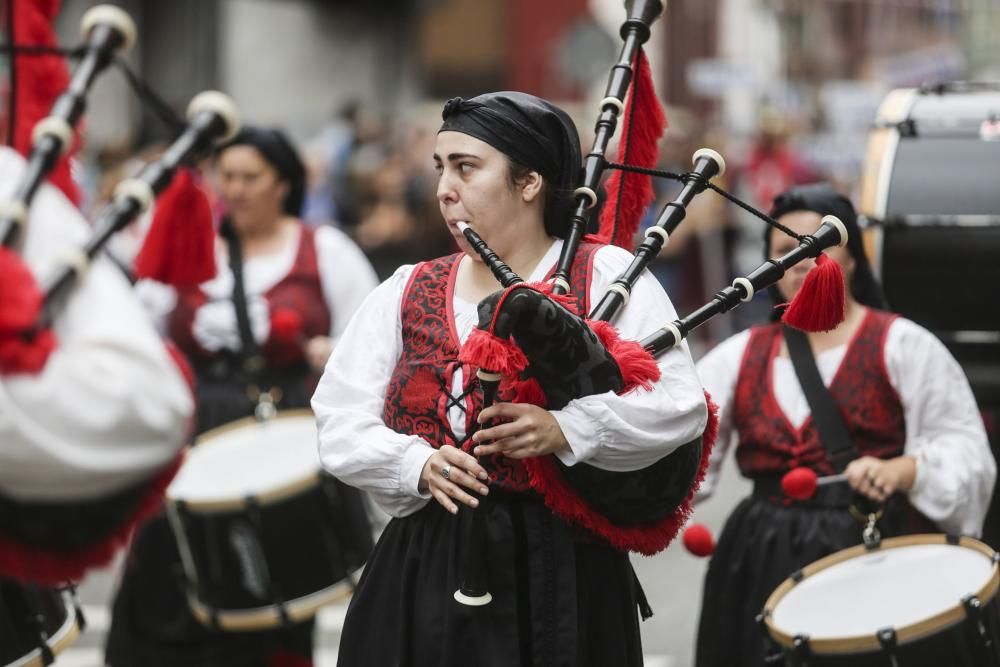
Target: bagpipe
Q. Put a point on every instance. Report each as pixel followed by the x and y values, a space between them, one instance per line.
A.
pixel 50 542
pixel 530 344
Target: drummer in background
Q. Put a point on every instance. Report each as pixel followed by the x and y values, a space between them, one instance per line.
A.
pixel 257 334
pixel 907 406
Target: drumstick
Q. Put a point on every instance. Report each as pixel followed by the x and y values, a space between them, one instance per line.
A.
pixel 801 483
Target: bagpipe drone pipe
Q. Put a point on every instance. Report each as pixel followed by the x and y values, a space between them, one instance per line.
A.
pixel 49 542
pixel 531 346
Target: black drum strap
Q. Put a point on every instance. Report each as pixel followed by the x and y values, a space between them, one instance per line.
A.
pixel 829 422
pixel 249 353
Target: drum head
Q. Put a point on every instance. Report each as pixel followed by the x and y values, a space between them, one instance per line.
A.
pixel 912 584
pixel 268 460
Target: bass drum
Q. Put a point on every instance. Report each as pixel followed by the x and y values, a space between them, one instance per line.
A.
pixel 931 197
pixel 36 624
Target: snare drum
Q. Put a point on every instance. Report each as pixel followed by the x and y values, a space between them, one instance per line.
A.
pixel 35 624
pixel 919 600
pixel 265 537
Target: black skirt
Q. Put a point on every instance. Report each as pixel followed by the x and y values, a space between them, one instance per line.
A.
pixel 763 542
pixel 560 599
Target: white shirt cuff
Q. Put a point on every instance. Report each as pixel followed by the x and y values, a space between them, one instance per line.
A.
pixel 414 458
pixel 583 438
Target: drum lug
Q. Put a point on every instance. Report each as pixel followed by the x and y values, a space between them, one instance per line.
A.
pixel 887 639
pixel 974 617
pixel 801 649
pixel 871 535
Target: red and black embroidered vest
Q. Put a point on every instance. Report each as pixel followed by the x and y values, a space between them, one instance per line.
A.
pixel 770 445
pixel 299 291
pixel 419 394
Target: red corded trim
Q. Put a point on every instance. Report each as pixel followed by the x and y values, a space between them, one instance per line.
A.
pixel 52 568
pixel 544 476
pixel 637 365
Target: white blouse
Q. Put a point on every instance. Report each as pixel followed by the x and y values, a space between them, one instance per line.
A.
pixel 110 407
pixel 346 278
pixel 608 431
pixel 944 430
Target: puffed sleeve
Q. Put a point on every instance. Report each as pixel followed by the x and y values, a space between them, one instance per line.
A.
pixel 944 430
pixel 634 430
pixel 719 371
pixel 355 445
pixel 345 274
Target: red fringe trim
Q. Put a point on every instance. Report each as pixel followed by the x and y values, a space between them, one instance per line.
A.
pixel 484 350
pixel 52 568
pixel 40 81
pixel 525 391
pixel 637 365
pixel 567 301
pixel 628 194
pixel 648 540
pixel 819 303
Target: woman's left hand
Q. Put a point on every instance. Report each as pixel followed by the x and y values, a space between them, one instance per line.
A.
pixel 318 349
pixel 880 478
pixel 527 431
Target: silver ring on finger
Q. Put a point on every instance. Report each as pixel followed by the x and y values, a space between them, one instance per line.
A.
pixel 446 471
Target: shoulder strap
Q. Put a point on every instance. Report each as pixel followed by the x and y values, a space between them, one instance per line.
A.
pixel 249 351
pixel 827 418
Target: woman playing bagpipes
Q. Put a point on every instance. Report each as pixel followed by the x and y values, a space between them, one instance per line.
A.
pixel 398 415
pixel 910 439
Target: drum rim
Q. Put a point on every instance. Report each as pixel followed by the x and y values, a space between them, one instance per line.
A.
pixel 269 497
pixel 260 618
pixel 904 634
pixel 67 633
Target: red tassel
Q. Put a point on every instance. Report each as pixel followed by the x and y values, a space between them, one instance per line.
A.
pixel 21 349
pixel 179 249
pixel 819 303
pixel 698 540
pixel 40 81
pixel 628 194
pixel 637 365
pixel 799 483
pixel 484 350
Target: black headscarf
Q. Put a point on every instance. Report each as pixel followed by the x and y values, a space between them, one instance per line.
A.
pixel 275 147
pixel 533 133
pixel 821 198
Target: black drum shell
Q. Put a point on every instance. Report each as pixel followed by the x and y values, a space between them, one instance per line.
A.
pixel 261 555
pixel 28 614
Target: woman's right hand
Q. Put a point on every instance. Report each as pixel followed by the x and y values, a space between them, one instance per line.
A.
pixel 463 470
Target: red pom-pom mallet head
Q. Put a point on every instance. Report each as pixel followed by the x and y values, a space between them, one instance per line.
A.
pixel 799 483
pixel 698 540
pixel 286 324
